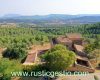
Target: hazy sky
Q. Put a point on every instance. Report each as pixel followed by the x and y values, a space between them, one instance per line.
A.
pixel 43 7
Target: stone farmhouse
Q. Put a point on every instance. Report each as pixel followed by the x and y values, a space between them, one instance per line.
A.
pixel 73 42
pixel 36 50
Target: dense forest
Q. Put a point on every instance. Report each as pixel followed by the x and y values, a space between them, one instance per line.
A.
pixel 34 35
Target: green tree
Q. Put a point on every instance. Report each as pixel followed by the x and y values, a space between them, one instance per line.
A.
pixel 58 58
pixel 14 52
pixel 96 77
pixel 89 48
pixel 95 54
pixel 7 66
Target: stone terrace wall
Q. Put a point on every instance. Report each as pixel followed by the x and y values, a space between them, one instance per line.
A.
pixel 78 67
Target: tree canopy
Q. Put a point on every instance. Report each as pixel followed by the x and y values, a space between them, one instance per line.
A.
pixel 7 66
pixel 58 58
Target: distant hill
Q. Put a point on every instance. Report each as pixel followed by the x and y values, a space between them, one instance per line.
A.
pixel 11 15
pixel 51 19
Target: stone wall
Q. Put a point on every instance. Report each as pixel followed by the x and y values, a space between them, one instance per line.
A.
pixel 81 68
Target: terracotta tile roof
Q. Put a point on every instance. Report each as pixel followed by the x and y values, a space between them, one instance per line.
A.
pixel 31 57
pixel 74 35
pixel 78 47
pixel 63 39
pixel 41 47
pixel 32 54
pixel 2 49
pixel 82 58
